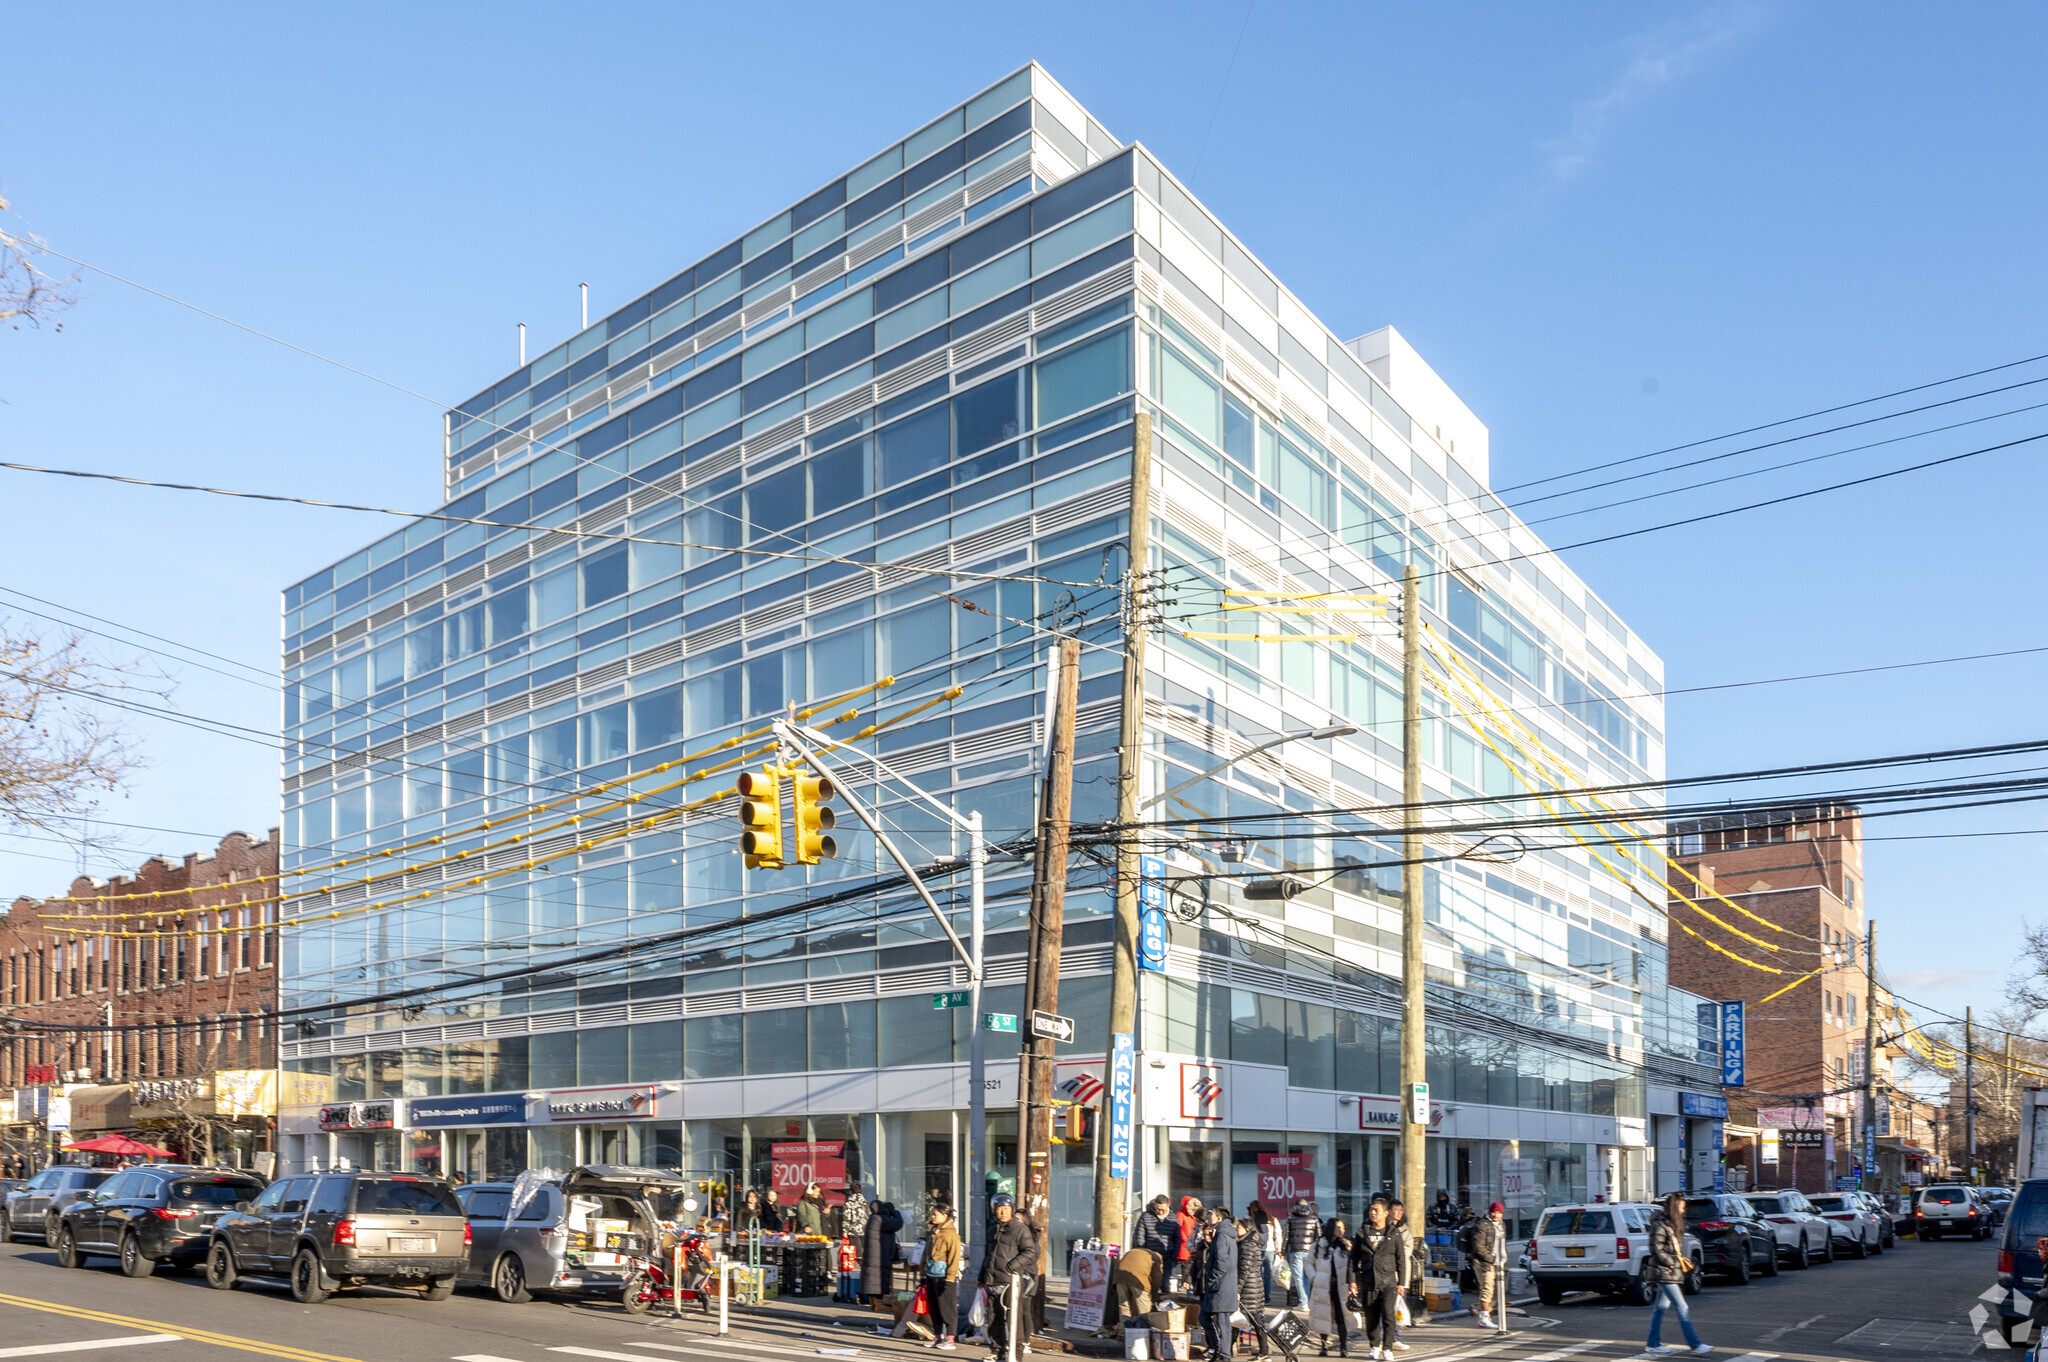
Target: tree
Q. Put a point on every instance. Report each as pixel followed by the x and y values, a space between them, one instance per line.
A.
pixel 28 293
pixel 60 746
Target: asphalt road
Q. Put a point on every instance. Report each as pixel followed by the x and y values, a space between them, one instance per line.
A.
pixel 1912 1302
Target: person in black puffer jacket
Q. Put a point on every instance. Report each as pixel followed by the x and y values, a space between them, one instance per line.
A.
pixel 878 1250
pixel 1666 1273
pixel 1303 1229
pixel 1251 1278
pixel 1010 1257
pixel 1158 1230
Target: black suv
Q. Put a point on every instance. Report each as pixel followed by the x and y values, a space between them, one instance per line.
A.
pixel 325 1231
pixel 1732 1239
pixel 163 1213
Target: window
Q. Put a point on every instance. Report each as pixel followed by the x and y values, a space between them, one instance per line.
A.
pixel 1080 377
pixel 776 1041
pixel 484 1203
pixel 404 1198
pixel 914 446
pixel 604 575
pixel 212 1191
pixel 330 1197
pixel 1577 1222
pixel 272 1196
pixel 293 1199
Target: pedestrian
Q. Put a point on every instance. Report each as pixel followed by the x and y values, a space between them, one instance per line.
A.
pixel 1414 1257
pixel 1135 1278
pixel 1269 1240
pixel 808 1218
pixel 942 1254
pixel 1299 1244
pixel 1330 1287
pixel 878 1251
pixel 1376 1270
pixel 853 1216
pixel 1218 1281
pixel 1443 1215
pixel 1181 1271
pixel 1158 1230
pixel 1666 1269
pixel 1008 1265
pixel 849 1272
pixel 1253 1262
pixel 757 1213
pixel 1487 1242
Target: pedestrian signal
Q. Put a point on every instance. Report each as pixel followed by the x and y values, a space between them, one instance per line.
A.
pixel 761 819
pixel 809 798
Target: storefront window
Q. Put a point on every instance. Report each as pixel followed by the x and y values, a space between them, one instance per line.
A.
pixel 1195 1169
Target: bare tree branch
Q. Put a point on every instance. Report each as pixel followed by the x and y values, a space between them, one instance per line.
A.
pixel 61 748
pixel 28 293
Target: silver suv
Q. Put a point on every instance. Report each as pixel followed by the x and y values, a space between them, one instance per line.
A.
pixel 323 1232
pixel 33 1206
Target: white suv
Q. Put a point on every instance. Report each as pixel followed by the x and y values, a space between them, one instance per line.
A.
pixel 1600 1247
pixel 1801 1233
pixel 1852 1221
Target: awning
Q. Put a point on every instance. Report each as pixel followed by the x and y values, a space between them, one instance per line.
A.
pixel 103 1107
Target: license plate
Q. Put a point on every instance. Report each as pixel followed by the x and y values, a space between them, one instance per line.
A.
pixel 399 1245
pixel 1575 1253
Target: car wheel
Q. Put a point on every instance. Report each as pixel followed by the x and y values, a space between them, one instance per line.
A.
pixel 1550 1293
pixel 1801 1257
pixel 306 1287
pixel 638 1294
pixel 133 1264
pixel 1741 1272
pixel 220 1267
pixel 1827 1249
pixel 1771 1260
pixel 439 1289
pixel 67 1249
pixel 508 1280
pixel 50 1229
pixel 1638 1292
pixel 1695 1281
pixel 6 1228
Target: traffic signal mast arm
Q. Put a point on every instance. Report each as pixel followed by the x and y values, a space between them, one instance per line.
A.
pixel 795 737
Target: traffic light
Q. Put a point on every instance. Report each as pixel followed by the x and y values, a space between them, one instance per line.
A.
pixel 814 819
pixel 761 818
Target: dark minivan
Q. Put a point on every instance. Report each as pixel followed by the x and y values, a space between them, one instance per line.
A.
pixel 162 1213
pixel 2019 1266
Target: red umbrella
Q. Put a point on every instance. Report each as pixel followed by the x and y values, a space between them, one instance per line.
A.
pixel 120 1144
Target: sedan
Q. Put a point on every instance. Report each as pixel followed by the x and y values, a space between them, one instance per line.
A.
pixel 1802 1235
pixel 1851 1221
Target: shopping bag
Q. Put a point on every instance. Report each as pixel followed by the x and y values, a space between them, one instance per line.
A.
pixel 1283 1274
pixel 920 1304
pixel 977 1309
pixel 1238 1320
pixel 1401 1311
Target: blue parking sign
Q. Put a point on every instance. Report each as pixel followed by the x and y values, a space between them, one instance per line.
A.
pixel 1123 1088
pixel 1733 1043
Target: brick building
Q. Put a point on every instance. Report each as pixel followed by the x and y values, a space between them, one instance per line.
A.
pixel 1800 868
pixel 190 997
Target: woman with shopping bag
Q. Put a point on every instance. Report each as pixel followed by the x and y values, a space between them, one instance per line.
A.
pixel 1329 1284
pixel 942 1277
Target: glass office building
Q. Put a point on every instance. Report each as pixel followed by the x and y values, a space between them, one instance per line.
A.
pixel 891 432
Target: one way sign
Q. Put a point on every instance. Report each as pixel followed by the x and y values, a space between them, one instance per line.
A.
pixel 1051 1026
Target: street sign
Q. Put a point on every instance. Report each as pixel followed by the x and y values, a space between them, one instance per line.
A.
pixel 1734 1043
pixel 942 1001
pixel 1123 1087
pixel 1152 941
pixel 1418 1104
pixel 1050 1026
pixel 999 1021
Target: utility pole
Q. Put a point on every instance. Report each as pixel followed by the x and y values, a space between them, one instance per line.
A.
pixel 1870 1056
pixel 1414 1068
pixel 1048 912
pixel 1970 1088
pixel 2007 1105
pixel 1110 1194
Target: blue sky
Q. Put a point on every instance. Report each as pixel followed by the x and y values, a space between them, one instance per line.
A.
pixel 1612 228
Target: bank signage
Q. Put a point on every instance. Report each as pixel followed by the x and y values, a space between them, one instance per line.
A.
pixel 1201 1092
pixel 601 1104
pixel 1384 1114
pixel 434 1113
pixel 1699 1104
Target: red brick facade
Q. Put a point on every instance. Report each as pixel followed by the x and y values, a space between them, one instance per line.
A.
pixel 187 997
pixel 1801 870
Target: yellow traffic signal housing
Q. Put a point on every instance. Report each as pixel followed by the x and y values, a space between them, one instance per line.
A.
pixel 814 818
pixel 761 818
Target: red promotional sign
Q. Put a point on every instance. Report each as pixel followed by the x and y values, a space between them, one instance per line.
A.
pixel 1285 1178
pixel 796 1164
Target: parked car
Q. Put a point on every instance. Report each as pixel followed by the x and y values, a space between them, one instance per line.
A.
pixel 1950 1209
pixel 2019 1265
pixel 1852 1221
pixel 1601 1247
pixel 1801 1234
pixel 162 1213
pixel 327 1231
pixel 517 1254
pixel 33 1209
pixel 1887 1219
pixel 1732 1239
pixel 1997 1200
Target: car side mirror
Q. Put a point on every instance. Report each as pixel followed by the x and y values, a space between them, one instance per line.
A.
pixel 243 1205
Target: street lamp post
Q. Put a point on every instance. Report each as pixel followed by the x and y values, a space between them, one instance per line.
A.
pixel 1326 731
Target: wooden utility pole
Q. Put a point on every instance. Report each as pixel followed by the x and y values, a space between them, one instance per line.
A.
pixel 1110 1195
pixel 1042 989
pixel 1414 1067
pixel 1870 1183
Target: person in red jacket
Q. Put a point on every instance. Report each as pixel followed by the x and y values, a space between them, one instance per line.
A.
pixel 1190 1222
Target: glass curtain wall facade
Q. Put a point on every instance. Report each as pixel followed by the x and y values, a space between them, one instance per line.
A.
pixel 890 433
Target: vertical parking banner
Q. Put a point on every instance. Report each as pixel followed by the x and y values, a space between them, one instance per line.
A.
pixel 1152 914
pixel 1123 1085
pixel 1734 1042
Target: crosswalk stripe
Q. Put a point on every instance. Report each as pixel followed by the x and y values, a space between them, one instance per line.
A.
pixel 1755 1357
pixel 1558 1354
pixel 480 1357
pixel 88 1344
pixel 601 1353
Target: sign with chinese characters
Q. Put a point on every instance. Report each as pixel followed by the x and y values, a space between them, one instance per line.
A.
pixel 1734 1046
pixel 1201 1092
pixel 1800 1139
pixel 1123 1088
pixel 430 1113
pixel 358 1116
pixel 1700 1104
pixel 1285 1178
